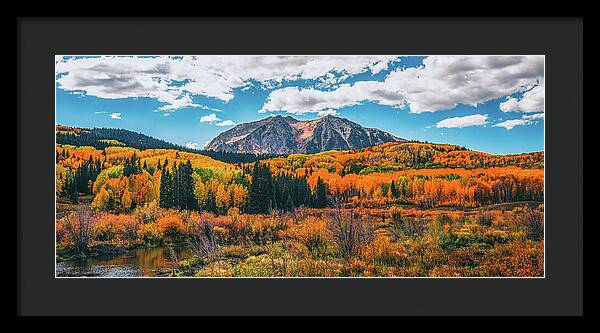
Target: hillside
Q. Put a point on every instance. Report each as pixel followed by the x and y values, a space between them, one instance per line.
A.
pixel 101 138
pixel 396 156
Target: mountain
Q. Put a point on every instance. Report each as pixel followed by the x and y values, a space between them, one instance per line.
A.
pixel 286 135
pixel 101 138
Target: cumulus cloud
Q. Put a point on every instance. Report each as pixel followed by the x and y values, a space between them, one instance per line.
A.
pixel 523 121
pixel 460 122
pixel 181 102
pixel 225 123
pixel 192 145
pixel 174 80
pixel 209 118
pixel 329 112
pixel 531 101
pixel 116 115
pixel 441 83
pixel 213 119
pixel 534 116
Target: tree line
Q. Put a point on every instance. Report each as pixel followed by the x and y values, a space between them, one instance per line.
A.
pixel 81 179
pixel 100 138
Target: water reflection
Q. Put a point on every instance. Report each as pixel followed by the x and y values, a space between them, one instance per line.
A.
pixel 138 262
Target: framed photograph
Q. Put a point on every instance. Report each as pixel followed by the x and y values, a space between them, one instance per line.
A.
pixel 291 175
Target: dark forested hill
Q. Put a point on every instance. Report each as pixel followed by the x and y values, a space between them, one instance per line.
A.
pixel 101 138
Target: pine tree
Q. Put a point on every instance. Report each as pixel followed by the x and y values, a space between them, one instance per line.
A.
pixel 189 200
pixel 165 190
pixel 320 194
pixel 260 198
pixel 72 191
pixel 394 190
pixel 289 204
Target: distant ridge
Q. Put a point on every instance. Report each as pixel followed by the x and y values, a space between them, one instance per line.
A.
pixel 101 138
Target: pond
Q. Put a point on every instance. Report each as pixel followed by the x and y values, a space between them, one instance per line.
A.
pixel 134 263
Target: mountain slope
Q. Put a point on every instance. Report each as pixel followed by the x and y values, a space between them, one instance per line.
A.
pixel 286 135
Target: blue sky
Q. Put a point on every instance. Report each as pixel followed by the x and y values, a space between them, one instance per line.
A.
pixel 493 104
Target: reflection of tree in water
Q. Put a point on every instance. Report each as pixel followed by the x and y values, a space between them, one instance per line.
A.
pixel 143 261
pixel 148 260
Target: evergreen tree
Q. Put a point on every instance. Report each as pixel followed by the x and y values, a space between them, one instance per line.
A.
pixel 394 190
pixel 72 191
pixel 320 194
pixel 165 190
pixel 260 197
pixel 289 204
pixel 189 200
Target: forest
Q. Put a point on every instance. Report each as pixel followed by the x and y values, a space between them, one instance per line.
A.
pixel 397 209
pixel 101 138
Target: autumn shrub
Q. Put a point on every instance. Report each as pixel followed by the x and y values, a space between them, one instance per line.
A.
pixel 396 225
pixel 314 235
pixel 314 268
pixel 465 257
pixel 78 226
pixel 356 267
pixel 433 256
pixel 234 251
pixel 61 233
pixel 484 219
pixel 414 226
pixel 383 252
pixel 349 232
pixel 110 227
pixel 441 234
pixel 515 259
pixel 148 213
pixel 264 229
pixel 107 227
pixel 219 268
pixel 150 234
pixel 259 266
pixel 239 230
pixel 532 220
pixel 171 227
pixel 131 225
pixel 395 214
pixel 202 239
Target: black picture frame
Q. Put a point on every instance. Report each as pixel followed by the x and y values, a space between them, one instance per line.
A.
pixel 559 293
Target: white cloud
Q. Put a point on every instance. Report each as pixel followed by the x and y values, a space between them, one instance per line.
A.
pixel 441 83
pixel 534 116
pixel 173 80
pixel 192 145
pixel 460 122
pixel 182 102
pixel 510 124
pixel 531 101
pixel 213 119
pixel 100 112
pixel 225 123
pixel 116 115
pixel 209 118
pixel 523 121
pixel 328 112
pixel 208 108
